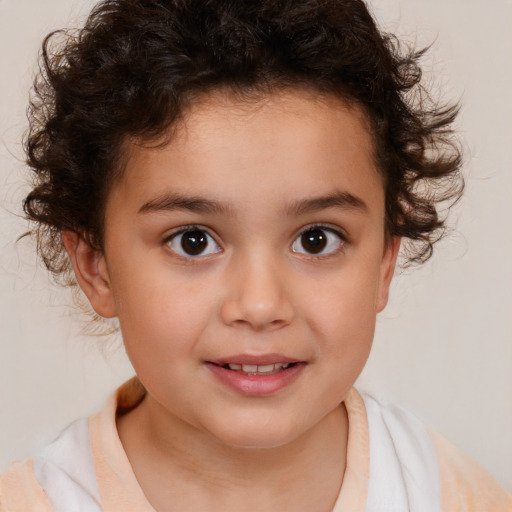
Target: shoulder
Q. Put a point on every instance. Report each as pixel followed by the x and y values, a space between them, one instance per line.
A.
pixel 64 476
pixel 404 473
pixel 409 459
pixel 65 470
pixel 60 479
pixel 20 490
pixel 465 485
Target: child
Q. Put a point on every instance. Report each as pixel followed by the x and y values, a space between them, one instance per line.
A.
pixel 232 181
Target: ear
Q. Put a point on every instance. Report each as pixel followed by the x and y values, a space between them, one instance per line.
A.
pixel 387 269
pixel 91 273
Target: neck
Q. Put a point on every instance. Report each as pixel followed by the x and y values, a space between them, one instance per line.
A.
pixel 180 467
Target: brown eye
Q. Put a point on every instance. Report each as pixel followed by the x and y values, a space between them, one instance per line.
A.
pixel 317 241
pixel 193 242
pixel 313 241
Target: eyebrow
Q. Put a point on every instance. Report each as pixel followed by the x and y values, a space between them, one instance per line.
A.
pixel 196 204
pixel 170 202
pixel 340 199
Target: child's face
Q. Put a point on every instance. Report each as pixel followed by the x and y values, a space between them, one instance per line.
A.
pixel 255 237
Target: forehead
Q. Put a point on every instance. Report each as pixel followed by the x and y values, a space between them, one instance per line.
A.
pixel 280 146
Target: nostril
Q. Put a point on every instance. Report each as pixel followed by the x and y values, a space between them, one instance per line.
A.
pixel 260 326
pixel 257 301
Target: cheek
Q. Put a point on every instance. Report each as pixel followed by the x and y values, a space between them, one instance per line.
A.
pixel 166 315
pixel 343 312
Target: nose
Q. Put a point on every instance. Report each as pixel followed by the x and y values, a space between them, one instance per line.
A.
pixel 257 295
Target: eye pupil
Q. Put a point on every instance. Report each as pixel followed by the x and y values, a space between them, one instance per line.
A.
pixel 194 242
pixel 314 240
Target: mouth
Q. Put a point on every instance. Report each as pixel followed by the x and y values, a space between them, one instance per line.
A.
pixel 256 375
pixel 257 369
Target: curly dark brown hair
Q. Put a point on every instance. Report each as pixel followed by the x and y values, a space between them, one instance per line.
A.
pixel 131 71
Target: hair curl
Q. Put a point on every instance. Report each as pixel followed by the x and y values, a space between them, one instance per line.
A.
pixel 131 71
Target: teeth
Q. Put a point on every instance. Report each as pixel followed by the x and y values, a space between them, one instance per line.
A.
pixel 263 369
pixel 266 368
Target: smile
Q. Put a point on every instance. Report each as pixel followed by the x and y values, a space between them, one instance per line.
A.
pixel 253 369
pixel 256 376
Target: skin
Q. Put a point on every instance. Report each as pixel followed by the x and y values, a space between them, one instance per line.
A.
pixel 195 443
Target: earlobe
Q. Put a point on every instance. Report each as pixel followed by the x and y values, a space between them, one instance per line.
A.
pixel 91 273
pixel 386 272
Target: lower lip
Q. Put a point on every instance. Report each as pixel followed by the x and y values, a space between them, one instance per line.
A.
pixel 256 385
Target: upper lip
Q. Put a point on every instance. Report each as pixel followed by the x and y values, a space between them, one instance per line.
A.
pixel 259 360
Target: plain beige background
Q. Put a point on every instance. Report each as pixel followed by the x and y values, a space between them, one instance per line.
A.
pixel 443 347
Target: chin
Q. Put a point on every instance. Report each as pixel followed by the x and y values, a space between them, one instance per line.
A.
pixel 256 436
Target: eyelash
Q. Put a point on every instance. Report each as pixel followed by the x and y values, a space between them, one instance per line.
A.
pixel 311 227
pixel 322 227
pixel 185 229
